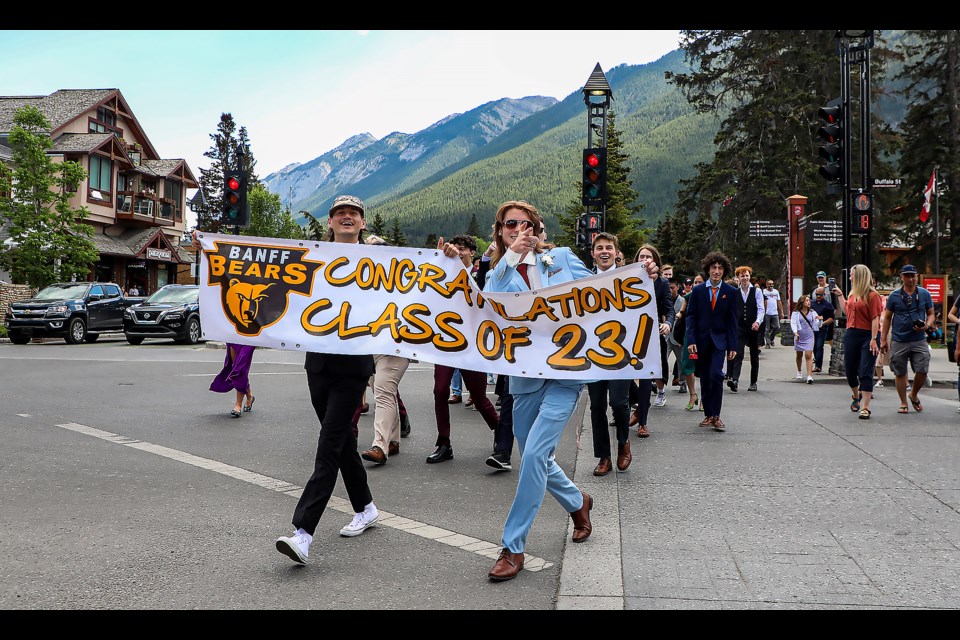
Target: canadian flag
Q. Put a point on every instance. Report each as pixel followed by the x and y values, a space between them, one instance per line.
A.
pixel 928 196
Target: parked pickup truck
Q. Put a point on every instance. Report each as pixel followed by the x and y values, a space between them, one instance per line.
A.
pixel 76 311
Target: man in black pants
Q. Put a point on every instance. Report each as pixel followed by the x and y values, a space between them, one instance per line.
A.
pixel 750 312
pixel 336 386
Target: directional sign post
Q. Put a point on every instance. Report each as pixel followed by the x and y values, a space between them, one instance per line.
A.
pixel 769 229
pixel 825 230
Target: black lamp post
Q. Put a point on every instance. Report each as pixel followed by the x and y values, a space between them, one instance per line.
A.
pixel 597 95
pixel 198 204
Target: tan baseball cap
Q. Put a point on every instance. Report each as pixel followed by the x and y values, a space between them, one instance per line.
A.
pixel 346 201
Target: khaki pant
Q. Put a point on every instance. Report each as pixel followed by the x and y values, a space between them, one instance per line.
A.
pixel 386 382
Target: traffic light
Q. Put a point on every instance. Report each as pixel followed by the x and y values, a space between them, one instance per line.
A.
pixel 862 212
pixel 236 211
pixel 581 234
pixel 592 225
pixel 831 136
pixel 594 177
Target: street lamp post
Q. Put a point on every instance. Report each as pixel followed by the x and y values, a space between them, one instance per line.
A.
pixel 597 95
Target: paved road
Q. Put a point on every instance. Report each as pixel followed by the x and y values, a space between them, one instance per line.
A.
pixel 125 485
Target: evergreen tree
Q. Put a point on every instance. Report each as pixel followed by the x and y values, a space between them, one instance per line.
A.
pixel 397 237
pixel 223 156
pixel 379 227
pixel 248 162
pixel 52 242
pixel 316 229
pixel 930 138
pixel 431 241
pixel 622 212
pixel 473 229
pixel 766 88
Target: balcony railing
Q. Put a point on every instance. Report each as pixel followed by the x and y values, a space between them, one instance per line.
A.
pixel 145 207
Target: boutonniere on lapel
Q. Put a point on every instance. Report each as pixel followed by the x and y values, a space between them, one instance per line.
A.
pixel 723 296
pixel 547 260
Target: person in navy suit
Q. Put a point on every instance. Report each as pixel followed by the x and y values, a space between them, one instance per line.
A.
pixel 541 408
pixel 713 333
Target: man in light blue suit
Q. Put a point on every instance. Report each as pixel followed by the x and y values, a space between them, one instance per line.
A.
pixel 541 408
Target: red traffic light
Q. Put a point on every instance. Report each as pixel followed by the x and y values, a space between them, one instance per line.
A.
pixel 592 159
pixel 233 183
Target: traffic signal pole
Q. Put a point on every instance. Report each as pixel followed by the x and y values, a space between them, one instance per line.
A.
pixel 596 95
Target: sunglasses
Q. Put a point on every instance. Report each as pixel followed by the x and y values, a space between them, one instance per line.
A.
pixel 510 224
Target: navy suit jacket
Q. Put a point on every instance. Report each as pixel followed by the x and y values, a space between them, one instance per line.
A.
pixel 718 325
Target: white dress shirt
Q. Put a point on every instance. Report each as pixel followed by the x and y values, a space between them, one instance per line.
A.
pixel 533 273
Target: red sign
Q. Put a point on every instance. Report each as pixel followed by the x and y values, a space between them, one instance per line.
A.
pixel 936 285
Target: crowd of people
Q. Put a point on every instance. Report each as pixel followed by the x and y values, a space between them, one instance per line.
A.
pixel 707 323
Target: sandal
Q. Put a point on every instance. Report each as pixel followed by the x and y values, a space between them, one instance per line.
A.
pixel 235 414
pixel 916 404
pixel 855 405
pixel 692 405
pixel 903 409
pixel 249 407
pixel 864 414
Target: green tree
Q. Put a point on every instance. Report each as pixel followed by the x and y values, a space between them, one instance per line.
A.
pixel 268 218
pixel 432 240
pixel 53 243
pixel 397 237
pixel 222 154
pixel 379 227
pixel 930 138
pixel 316 230
pixel 247 162
pixel 623 206
pixel 473 229
pixel 766 88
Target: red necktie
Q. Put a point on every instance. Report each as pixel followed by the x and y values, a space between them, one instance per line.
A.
pixel 522 268
pixel 713 297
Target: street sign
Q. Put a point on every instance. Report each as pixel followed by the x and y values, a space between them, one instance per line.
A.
pixel 825 230
pixel 887 182
pixel 768 229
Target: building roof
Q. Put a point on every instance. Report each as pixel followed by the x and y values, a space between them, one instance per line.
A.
pixel 81 142
pixel 111 245
pixel 6 153
pixel 60 107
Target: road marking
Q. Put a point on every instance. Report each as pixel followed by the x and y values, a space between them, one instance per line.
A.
pixel 387 519
pixel 24 415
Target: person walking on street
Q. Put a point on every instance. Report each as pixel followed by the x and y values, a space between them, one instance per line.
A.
pixel 712 335
pixel 541 407
pixel 687 366
pixel 750 315
pixel 908 316
pixel 824 309
pixel 666 315
pixel 954 316
pixel 462 247
pixel 805 325
pixel 604 253
pixel 772 315
pixel 860 339
pixel 235 377
pixel 336 383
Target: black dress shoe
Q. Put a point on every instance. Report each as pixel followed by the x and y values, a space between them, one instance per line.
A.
pixel 733 385
pixel 443 452
pixel 404 426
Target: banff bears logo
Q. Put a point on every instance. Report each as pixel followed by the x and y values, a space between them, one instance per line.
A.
pixel 256 280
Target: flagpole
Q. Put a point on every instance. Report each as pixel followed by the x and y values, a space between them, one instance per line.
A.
pixel 936 221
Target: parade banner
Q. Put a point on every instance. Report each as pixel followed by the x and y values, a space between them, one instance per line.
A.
pixel 305 295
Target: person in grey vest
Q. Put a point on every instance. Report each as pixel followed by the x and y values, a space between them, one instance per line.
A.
pixel 750 314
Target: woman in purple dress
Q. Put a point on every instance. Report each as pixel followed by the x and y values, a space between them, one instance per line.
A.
pixel 236 368
pixel 804 322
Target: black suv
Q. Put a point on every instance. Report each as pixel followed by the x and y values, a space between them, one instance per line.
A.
pixel 172 312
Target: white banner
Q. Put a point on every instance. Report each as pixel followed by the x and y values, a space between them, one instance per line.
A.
pixel 304 295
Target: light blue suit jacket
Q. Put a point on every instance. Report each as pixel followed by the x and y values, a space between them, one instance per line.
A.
pixel 566 267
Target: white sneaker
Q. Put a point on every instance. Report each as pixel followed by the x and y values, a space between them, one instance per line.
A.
pixel 809 379
pixel 879 383
pixel 361 521
pixel 799 376
pixel 296 547
pixel 660 400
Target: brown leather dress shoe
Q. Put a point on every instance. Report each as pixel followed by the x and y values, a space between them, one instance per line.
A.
pixel 393 448
pixel 634 418
pixel 455 400
pixel 581 519
pixel 624 457
pixel 718 424
pixel 374 454
pixel 642 432
pixel 707 422
pixel 604 467
pixel 508 566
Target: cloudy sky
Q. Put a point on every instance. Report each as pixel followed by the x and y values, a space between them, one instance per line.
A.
pixel 302 93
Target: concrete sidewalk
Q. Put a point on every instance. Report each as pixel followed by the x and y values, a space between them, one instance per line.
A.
pixel 798 504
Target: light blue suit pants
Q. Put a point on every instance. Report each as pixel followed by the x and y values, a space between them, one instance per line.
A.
pixel 538 422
